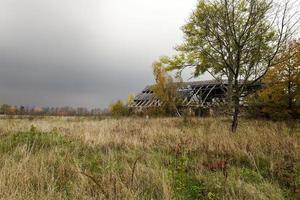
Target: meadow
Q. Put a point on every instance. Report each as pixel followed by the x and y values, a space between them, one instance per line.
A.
pixel 138 158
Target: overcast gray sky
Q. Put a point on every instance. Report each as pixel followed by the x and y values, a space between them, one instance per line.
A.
pixel 83 53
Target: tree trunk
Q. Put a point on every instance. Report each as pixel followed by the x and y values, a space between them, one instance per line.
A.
pixel 235 105
pixel 230 90
pixel 236 111
pixel 290 98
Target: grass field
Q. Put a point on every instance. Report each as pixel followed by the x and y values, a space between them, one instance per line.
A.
pixel 135 158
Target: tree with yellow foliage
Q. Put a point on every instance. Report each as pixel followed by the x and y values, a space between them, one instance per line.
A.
pixel 281 94
pixel 130 99
pixel 166 89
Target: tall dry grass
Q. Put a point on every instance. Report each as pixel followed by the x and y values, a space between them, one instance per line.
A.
pixel 135 158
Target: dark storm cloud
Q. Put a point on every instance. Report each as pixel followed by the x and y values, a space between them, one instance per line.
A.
pixel 83 53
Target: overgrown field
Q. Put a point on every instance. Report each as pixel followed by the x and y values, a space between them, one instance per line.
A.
pixel 135 158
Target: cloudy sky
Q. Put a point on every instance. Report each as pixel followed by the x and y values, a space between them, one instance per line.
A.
pixel 83 53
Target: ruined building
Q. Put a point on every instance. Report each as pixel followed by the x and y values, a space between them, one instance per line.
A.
pixel 199 94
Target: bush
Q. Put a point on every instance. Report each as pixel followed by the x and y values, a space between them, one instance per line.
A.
pixel 118 109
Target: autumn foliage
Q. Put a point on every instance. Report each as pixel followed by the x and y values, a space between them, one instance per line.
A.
pixel 166 90
pixel 118 109
pixel 281 93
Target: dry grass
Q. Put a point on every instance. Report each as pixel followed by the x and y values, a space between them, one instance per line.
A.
pixel 135 158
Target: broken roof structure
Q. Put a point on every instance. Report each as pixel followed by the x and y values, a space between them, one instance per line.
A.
pixel 194 94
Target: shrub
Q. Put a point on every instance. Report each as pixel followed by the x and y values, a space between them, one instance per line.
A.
pixel 118 109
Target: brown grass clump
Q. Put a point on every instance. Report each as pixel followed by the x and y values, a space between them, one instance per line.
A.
pixel 136 158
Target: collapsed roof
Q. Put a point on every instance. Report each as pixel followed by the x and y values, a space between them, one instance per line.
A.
pixel 194 94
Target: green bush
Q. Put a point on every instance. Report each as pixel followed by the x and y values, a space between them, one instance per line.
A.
pixel 118 109
pixel 185 184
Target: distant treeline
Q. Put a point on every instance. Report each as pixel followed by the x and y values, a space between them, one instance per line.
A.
pixel 6 109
